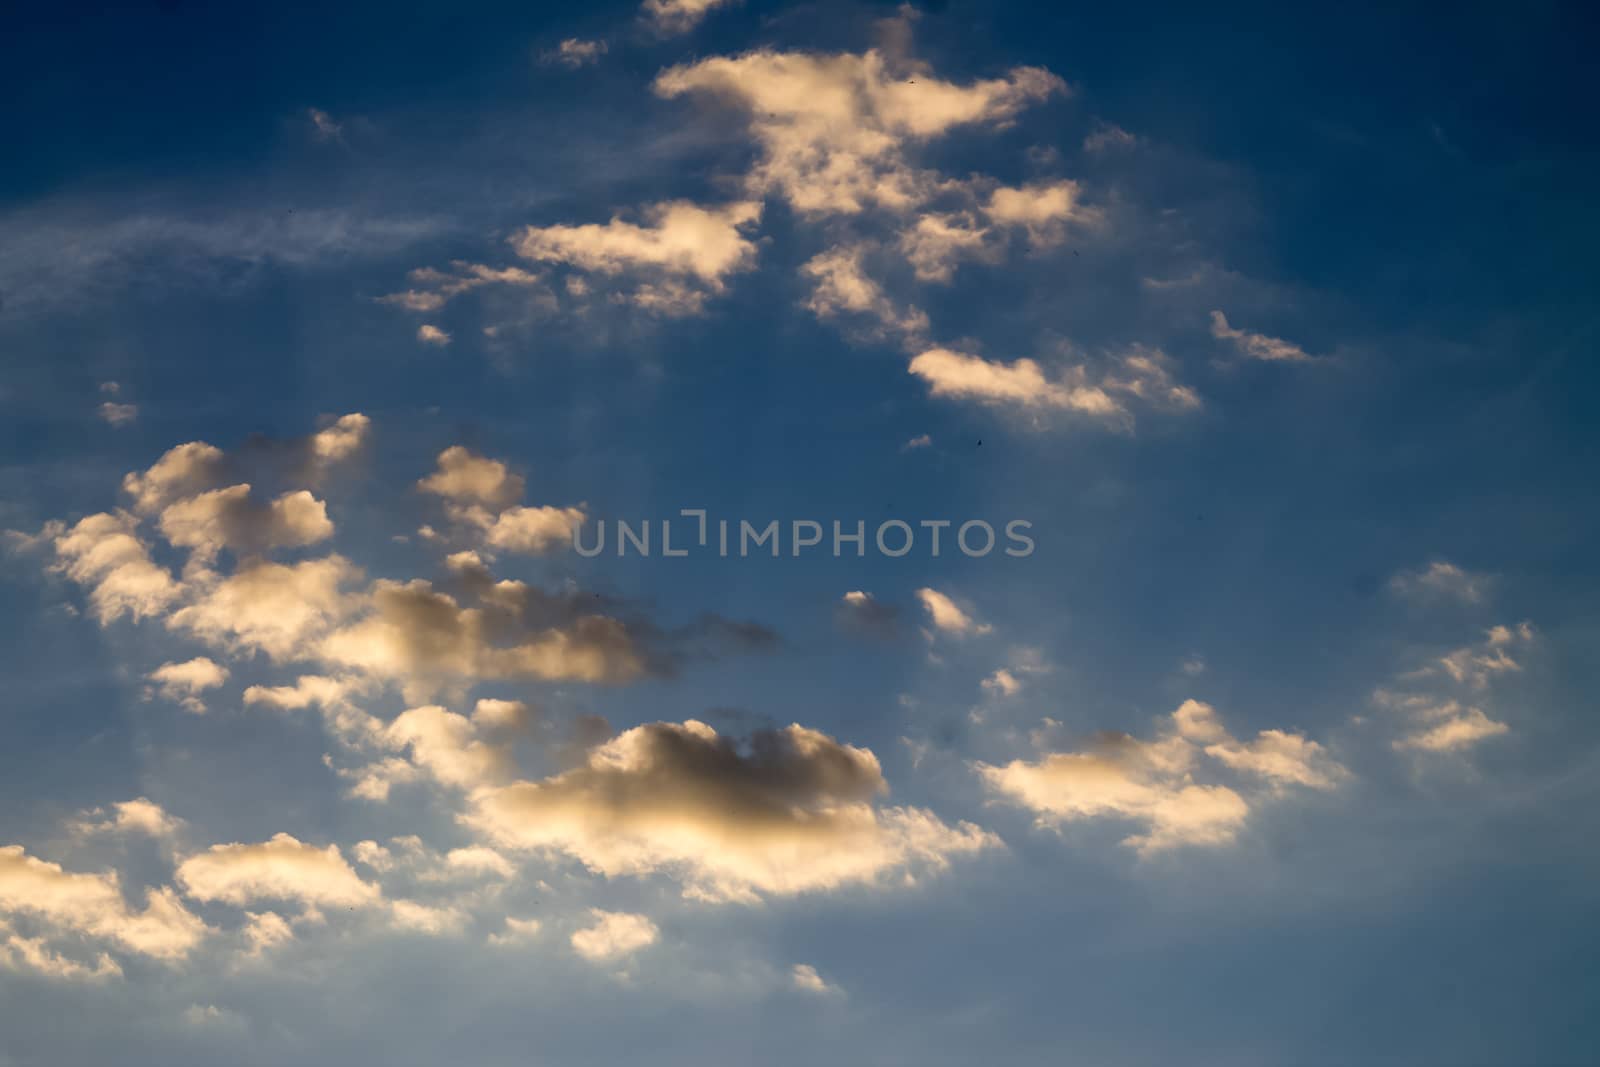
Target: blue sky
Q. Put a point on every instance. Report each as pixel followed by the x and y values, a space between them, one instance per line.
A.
pixel 323 330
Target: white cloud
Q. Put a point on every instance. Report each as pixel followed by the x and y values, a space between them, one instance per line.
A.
pixel 614 934
pixel 1153 782
pixel 682 253
pixel 956 374
pixel 841 286
pixel 429 334
pixel 105 553
pixel 947 616
pixel 670 17
pixel 230 518
pixel 516 931
pixel 574 53
pixel 834 130
pixel 805 978
pixel 184 682
pixel 1256 345
pixel 790 813
pixel 282 869
pixel 276 608
pixel 92 905
pixel 464 477
pixel 138 816
pixel 118 414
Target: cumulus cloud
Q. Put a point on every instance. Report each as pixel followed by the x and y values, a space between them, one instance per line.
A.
pixel 231 518
pixel 183 683
pixel 516 931
pixel 280 869
pixel 947 617
pixel 276 608
pixel 614 934
pixel 429 334
pixel 791 812
pixel 1042 209
pixel 681 254
pixel 464 477
pixel 92 905
pixel 1153 782
pixel 1256 345
pixel 861 611
pixel 105 553
pixel 137 816
pixel 834 131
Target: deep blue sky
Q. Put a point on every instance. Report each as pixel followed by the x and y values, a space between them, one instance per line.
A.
pixel 1404 196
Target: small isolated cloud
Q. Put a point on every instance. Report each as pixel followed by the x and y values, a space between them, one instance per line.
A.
pixel 1003 682
pixel 671 17
pixel 922 440
pixel 613 935
pixel 574 53
pixel 860 610
pixel 430 334
pixel 183 683
pixel 841 288
pixel 138 816
pixel 119 414
pixel 1256 345
pixel 1441 579
pixel 323 126
pixel 1107 137
pixel 464 477
pixel 947 617
pixel 1154 782
pixel 805 978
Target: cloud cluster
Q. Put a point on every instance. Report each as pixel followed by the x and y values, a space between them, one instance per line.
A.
pixel 1442 703
pixel 792 811
pixel 1154 782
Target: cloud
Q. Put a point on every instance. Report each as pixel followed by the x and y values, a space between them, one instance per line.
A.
pixel 956 374
pixel 1441 579
pixel 614 934
pixel 436 288
pixel 1042 209
pixel 947 617
pixel 19 953
pixel 516 931
pixel 231 518
pixel 1003 682
pixel 92 905
pixel 1107 137
pixel 1440 704
pixel 805 978
pixel 184 682
pixel 574 53
pixel 282 869
pixel 840 286
pixel 277 608
pixel 860 610
pixel 1153 782
pixel 323 127
pixel 464 477
pixel 182 471
pixel 671 17
pixel 681 254
pixel 118 414
pixel 104 552
pixel 791 812
pixel 430 334
pixel 834 130
pixel 1256 345
pixel 138 816
pixel 937 241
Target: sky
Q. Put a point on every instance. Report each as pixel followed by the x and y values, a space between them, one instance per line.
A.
pixel 798 533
